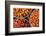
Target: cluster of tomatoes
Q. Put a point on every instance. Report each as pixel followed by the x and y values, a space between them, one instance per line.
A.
pixel 34 18
pixel 20 23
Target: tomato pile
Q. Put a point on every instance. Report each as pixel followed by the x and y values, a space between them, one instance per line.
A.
pixel 25 17
pixel 34 18
pixel 21 23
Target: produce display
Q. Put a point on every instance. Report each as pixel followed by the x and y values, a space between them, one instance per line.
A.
pixel 34 18
pixel 18 12
pixel 25 17
pixel 21 23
